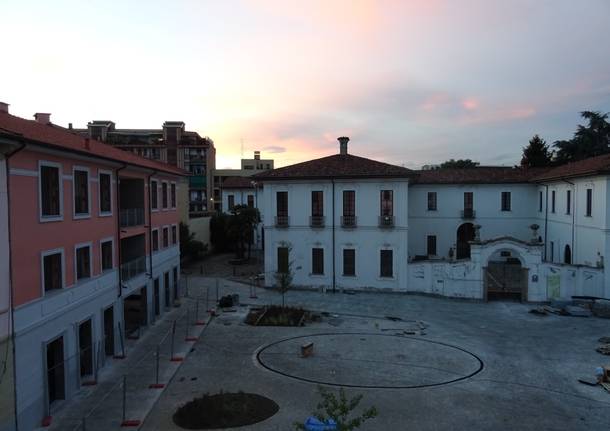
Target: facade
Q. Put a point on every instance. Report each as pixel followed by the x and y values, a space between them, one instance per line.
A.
pixel 94 256
pixel 257 164
pixel 172 144
pixel 531 234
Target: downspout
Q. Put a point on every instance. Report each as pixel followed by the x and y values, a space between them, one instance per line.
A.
pixel 334 274
pixel 10 276
pixel 546 220
pixel 150 251
pixel 573 209
pixel 118 225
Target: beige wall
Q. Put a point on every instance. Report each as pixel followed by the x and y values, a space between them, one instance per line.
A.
pixel 201 228
pixel 183 200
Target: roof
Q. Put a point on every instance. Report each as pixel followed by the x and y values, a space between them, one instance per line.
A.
pixel 336 166
pixel 598 165
pixel 58 137
pixel 477 175
pixel 237 183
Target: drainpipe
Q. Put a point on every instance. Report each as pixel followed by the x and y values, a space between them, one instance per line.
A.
pixel 150 251
pixel 573 209
pixel 118 225
pixel 334 274
pixel 10 276
pixel 546 220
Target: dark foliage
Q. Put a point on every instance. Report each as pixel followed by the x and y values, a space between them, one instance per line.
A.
pixel 459 164
pixel 536 154
pixel 588 141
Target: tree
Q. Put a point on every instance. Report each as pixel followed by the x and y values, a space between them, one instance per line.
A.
pixel 339 409
pixel 284 274
pixel 241 226
pixel 189 246
pixel 588 141
pixel 218 232
pixel 536 154
pixel 459 164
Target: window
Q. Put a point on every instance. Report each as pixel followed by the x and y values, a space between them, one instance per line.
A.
pixel 173 194
pixel 105 185
pixel 468 201
pixel 568 201
pixel 282 259
pixel 174 235
pixel 349 203
pixel 589 202
pixel 552 251
pixel 553 201
pixel 106 255
pixel 165 237
pixel 154 195
pixel 282 204
pixel 231 200
pixel 155 240
pixel 317 203
pixel 81 192
pixel 386 261
pixel 164 194
pixel 317 261
pixel 505 201
pixel 540 201
pixel 387 203
pixel 431 245
pixel 431 201
pixel 52 271
pixel 83 262
pixel 567 255
pixel 50 191
pixel 349 261
pixel 250 201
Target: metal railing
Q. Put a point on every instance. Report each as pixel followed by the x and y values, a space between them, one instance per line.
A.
pixel 386 221
pixel 282 221
pixel 468 213
pixel 132 217
pixel 316 221
pixel 133 268
pixel 348 221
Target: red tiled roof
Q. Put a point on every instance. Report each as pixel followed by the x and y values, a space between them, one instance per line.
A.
pixel 591 166
pixel 478 175
pixel 237 183
pixel 61 138
pixel 336 166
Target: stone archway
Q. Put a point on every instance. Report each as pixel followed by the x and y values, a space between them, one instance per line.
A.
pixel 465 234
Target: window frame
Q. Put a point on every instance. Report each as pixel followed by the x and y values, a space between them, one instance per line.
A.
pixel 277 253
pixel 317 265
pixel 505 201
pixel 390 200
pixel 553 201
pixel 343 273
pixel 468 203
pixel 540 201
pixel 101 213
pixel 279 213
pixel 230 202
pixel 174 234
pixel 152 240
pixel 156 195
pixel 43 254
pixel 428 238
pixel 434 200
pixel 317 207
pixel 589 202
pixel 164 196
pixel 77 247
pixel 164 243
pixel 349 203
pixel 173 194
pixel 380 274
pixel 250 201
pixel 568 202
pixel 75 215
pixel 102 242
pixel 51 218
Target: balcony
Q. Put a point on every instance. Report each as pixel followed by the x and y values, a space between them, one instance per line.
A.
pixel 386 221
pixel 316 221
pixel 133 268
pixel 282 221
pixel 468 213
pixel 348 221
pixel 132 217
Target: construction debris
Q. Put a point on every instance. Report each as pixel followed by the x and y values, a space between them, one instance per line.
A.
pixel 604 349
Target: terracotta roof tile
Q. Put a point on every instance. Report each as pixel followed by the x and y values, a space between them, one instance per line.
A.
pixel 237 183
pixel 478 175
pixel 59 137
pixel 591 166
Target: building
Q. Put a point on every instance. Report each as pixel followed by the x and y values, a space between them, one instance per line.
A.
pixel 257 164
pixel 346 222
pixel 244 191
pixel 171 144
pixel 94 255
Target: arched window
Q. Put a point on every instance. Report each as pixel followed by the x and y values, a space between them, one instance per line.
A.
pixel 567 255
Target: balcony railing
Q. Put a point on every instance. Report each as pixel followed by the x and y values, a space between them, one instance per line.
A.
pixel 282 221
pixel 468 213
pixel 132 217
pixel 348 221
pixel 133 268
pixel 386 221
pixel 316 221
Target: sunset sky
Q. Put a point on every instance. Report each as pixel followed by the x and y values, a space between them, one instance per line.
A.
pixel 411 82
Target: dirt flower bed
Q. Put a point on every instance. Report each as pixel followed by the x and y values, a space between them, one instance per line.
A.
pixel 274 315
pixel 224 410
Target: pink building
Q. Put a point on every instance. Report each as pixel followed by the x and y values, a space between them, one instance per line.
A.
pixel 94 256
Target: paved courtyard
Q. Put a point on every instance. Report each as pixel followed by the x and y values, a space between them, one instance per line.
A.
pixel 485 366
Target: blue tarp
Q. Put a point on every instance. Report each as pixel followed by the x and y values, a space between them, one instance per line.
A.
pixel 314 424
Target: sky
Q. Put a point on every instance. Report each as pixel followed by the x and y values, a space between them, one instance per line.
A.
pixel 410 82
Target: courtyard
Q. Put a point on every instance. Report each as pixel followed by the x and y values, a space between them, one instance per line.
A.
pixel 425 363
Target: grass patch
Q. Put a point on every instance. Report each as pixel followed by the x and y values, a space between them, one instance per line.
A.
pixel 275 315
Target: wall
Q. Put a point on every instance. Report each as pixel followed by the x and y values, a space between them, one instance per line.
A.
pixel 201 228
pixel 565 281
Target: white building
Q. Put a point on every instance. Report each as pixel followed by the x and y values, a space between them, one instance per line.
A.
pixel 346 222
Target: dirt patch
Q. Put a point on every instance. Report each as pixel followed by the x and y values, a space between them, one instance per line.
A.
pixel 224 410
pixel 275 315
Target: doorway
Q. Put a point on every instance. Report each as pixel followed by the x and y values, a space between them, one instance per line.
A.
pixel 506 279
pixel 85 348
pixel 109 331
pixel 166 287
pixel 156 297
pixel 465 234
pixel 55 370
pixel 175 283
pixel 134 312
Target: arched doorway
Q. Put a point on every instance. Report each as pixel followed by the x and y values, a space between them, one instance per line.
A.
pixel 465 233
pixel 505 276
pixel 567 255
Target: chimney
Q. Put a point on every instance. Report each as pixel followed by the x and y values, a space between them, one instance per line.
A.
pixel 42 117
pixel 257 155
pixel 69 126
pixel 4 107
pixel 343 140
